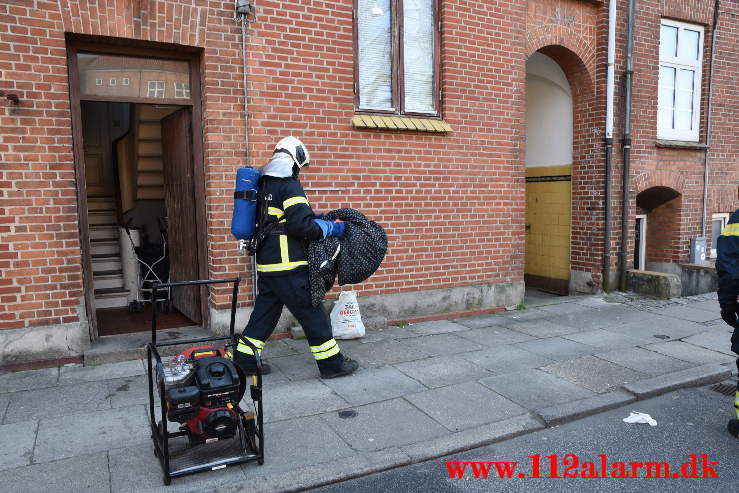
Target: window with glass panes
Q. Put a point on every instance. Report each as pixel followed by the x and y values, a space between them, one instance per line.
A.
pixel 181 90
pixel 155 89
pixel 397 56
pixel 680 59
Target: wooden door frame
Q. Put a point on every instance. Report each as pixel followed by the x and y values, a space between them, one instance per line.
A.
pixel 132 47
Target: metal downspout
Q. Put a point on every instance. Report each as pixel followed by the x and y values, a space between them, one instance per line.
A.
pixel 625 205
pixel 243 10
pixel 609 144
pixel 714 35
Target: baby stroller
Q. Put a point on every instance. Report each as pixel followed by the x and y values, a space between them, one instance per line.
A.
pixel 153 267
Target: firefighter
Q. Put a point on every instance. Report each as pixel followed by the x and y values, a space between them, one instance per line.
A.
pixel 727 269
pixel 282 264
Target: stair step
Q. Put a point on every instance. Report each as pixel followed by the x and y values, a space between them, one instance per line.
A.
pixel 149 193
pixel 100 203
pixel 112 273
pixel 149 179
pixel 110 298
pixel 112 281
pixel 105 264
pixel 102 217
pixel 149 148
pixel 99 232
pixel 104 248
pixel 150 164
pixel 150 130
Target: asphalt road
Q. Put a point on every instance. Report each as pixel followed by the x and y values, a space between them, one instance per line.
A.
pixel 689 421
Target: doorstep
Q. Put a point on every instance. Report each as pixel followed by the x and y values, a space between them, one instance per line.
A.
pixel 125 347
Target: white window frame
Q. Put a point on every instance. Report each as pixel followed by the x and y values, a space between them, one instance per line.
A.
pixel 676 62
pixel 125 81
pixel 155 87
pixel 98 82
pixel 724 217
pixel 113 82
pixel 642 246
pixel 181 90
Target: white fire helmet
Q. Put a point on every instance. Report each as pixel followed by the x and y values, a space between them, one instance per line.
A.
pixel 296 149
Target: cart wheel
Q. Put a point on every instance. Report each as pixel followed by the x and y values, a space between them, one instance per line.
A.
pixel 250 434
pixel 132 307
pixel 169 305
pixel 167 480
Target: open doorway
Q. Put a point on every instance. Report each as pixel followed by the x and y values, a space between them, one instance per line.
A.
pixel 140 207
pixel 140 185
pixel 549 137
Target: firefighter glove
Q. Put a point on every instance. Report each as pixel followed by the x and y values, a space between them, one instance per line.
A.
pixel 729 314
pixel 331 228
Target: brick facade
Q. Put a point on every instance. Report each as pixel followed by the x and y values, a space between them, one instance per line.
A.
pixel 453 205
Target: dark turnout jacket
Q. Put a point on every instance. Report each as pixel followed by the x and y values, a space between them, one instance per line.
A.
pixel 727 261
pixel 285 249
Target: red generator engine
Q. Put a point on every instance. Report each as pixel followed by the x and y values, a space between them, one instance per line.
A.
pixel 203 391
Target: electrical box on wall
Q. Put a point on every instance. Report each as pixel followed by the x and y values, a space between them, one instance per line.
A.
pixel 698 250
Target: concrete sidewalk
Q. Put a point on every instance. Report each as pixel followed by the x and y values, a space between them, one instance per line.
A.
pixel 423 391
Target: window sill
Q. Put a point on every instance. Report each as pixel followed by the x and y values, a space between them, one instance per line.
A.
pixel 382 122
pixel 680 144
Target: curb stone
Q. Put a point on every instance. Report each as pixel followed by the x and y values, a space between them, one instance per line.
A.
pixel 570 411
pixel 691 377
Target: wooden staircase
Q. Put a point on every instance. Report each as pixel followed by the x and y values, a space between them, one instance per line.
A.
pixel 107 272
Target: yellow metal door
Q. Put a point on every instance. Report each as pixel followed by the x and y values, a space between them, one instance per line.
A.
pixel 548 212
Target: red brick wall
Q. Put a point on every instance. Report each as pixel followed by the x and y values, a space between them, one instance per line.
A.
pixel 453 205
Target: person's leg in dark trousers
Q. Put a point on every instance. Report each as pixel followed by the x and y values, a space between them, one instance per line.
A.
pixel 262 322
pixel 294 291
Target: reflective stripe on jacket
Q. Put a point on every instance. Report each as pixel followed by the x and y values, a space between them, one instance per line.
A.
pixel 285 250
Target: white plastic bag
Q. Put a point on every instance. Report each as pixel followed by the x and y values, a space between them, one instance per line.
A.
pixel 346 321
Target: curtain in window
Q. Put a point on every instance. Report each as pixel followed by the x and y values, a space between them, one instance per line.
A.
pixel 418 55
pixel 375 54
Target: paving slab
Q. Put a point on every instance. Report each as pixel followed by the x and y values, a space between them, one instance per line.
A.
pixel 535 388
pixel 568 411
pixel 596 318
pixel 605 339
pixel 442 371
pixel 687 312
pixel 373 385
pixel 16 445
pixel 85 433
pixel 495 336
pixel 304 398
pixel 593 373
pixel 276 348
pixel 128 391
pixel 384 424
pixel 689 352
pixel 4 401
pixel 73 475
pixel 715 340
pixel 28 380
pixel 296 443
pixel 388 352
pixel 700 375
pixel 435 327
pixel 525 314
pixel 708 305
pixel 556 348
pixel 540 328
pixel 135 469
pixel 480 321
pixel 296 367
pixel 664 327
pixel 324 473
pixel 565 308
pixel 504 359
pixel 76 374
pixel 645 361
pixel 444 344
pixel 465 405
pixel 58 401
pixel 472 438
pixel 396 332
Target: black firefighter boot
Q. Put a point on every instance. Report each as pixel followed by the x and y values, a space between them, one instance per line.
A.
pixel 337 366
pixel 248 363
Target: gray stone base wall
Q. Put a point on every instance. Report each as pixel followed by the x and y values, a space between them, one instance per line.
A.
pixel 376 310
pixel 43 342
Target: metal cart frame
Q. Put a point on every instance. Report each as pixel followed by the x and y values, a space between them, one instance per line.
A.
pixel 150 276
pixel 249 450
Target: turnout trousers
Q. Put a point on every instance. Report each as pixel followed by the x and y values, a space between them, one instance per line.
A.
pixel 293 291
